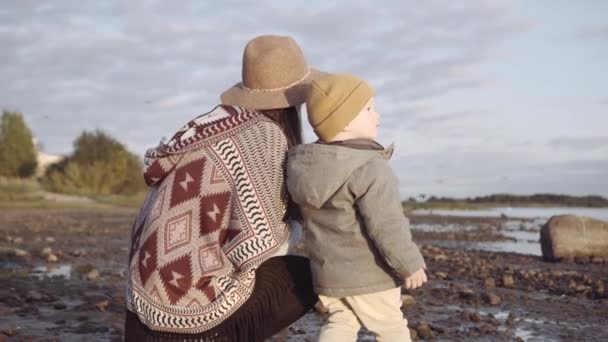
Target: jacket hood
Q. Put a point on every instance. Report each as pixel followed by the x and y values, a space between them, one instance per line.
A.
pixel 315 172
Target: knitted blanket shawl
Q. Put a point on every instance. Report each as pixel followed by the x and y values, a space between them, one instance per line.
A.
pixel 214 212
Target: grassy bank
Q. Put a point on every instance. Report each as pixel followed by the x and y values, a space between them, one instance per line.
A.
pixel 27 193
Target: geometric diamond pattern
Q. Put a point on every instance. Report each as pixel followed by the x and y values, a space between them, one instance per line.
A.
pixel 177 278
pixel 216 176
pixel 178 231
pixel 157 207
pixel 135 240
pixel 210 258
pixel 154 173
pixel 227 235
pixel 187 182
pixel 213 208
pixel 204 285
pixel 147 258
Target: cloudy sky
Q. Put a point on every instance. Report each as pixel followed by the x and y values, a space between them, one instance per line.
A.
pixel 479 96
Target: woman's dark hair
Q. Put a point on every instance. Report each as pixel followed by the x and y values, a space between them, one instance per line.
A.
pixel 289 121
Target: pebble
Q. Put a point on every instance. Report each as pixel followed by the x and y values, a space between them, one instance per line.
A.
pixel 18 240
pixel 487 329
pixel 50 239
pixel 21 252
pixel 93 275
pixel 491 298
pixel 79 252
pixel 441 257
pixel 46 251
pixel 9 331
pixel 507 281
pixel 424 331
pixel 511 319
pixel 52 258
pixel 60 306
pixel 441 275
pixel 476 317
pixel 413 334
pixel 33 296
pixel 489 282
pixel 102 305
pixel 466 293
pixel 408 300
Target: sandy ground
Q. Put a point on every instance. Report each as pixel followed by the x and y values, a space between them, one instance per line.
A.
pixel 472 295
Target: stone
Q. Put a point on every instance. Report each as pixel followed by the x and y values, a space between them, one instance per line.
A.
pixel 508 281
pixel 413 334
pixel 572 237
pixel 93 275
pixel 487 329
pixel 511 320
pixel 441 275
pixel 79 252
pixel 424 331
pixel 491 298
pixel 52 258
pixel 466 293
pixel 408 300
pixel 9 332
pixel 102 305
pixel 49 239
pixel 18 240
pixel 60 306
pixel 21 252
pixel 33 296
pixel 46 251
pixel 440 257
pixel 489 282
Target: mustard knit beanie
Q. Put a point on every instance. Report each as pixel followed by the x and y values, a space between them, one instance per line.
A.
pixel 334 101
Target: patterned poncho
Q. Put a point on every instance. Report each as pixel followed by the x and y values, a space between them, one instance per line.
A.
pixel 214 212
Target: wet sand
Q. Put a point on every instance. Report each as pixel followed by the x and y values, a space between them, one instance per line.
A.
pixel 476 292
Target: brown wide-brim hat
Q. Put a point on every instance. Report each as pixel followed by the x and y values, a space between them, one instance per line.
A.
pixel 275 75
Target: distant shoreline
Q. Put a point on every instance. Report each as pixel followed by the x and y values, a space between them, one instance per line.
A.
pixel 505 200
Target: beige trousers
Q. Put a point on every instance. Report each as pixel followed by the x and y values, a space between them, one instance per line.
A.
pixel 378 312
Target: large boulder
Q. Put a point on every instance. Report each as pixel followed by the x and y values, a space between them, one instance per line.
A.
pixel 569 236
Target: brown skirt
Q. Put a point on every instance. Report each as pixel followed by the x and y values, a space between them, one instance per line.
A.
pixel 282 294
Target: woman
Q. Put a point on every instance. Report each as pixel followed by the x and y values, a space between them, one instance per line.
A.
pixel 207 259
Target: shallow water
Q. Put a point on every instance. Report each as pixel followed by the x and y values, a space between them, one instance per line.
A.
pixel 525 234
pixel 62 270
pixel 545 213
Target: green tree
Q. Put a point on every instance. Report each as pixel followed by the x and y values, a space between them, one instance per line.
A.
pixel 99 165
pixel 17 152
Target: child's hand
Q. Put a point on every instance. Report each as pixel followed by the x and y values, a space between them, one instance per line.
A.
pixel 416 279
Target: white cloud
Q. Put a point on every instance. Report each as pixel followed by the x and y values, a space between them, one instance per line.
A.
pixel 140 69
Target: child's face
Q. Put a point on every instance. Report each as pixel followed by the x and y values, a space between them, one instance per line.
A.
pixel 365 125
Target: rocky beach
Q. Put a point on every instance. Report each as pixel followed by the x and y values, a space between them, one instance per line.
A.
pixel 62 274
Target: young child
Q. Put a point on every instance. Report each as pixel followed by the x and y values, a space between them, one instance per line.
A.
pixel 356 235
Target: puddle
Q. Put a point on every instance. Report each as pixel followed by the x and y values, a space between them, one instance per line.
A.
pixel 62 270
pixel 525 234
